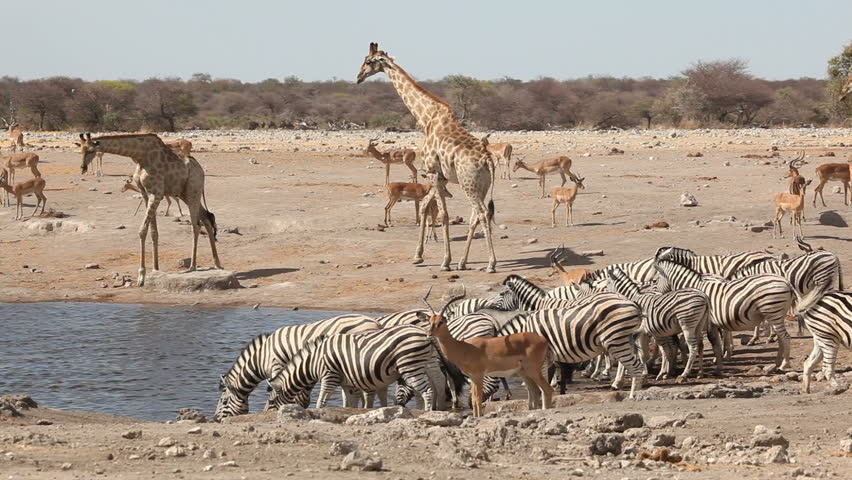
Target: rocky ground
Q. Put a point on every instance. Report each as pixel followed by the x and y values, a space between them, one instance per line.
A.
pixel 717 430
pixel 300 215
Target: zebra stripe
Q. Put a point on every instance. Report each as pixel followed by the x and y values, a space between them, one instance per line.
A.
pixel 367 362
pixel 603 322
pixel 415 316
pixel 526 295
pixel 666 315
pixel 741 304
pixel 266 355
pixel 830 323
pixel 811 274
pixel 641 271
pixel 723 265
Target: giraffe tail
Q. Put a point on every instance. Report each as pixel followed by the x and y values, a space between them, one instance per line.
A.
pixel 208 216
pixel 493 181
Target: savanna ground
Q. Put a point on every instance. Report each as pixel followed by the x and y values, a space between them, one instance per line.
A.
pixel 307 206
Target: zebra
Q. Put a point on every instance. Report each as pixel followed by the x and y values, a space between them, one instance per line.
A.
pixel 574 292
pixel 601 323
pixel 267 354
pixel 525 295
pixel 722 265
pixel 811 274
pixel 665 315
pixel 737 305
pixel 368 362
pixel 830 323
pixel 415 316
pixel 640 271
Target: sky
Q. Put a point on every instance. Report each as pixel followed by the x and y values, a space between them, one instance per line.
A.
pixel 322 40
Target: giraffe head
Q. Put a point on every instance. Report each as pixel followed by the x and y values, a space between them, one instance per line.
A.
pixel 88 148
pixel 374 63
pixel 846 90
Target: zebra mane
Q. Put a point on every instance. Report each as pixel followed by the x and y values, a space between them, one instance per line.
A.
pixel 659 263
pixel 512 326
pixel 252 348
pixel 675 254
pixel 303 355
pixel 517 279
pixel 621 281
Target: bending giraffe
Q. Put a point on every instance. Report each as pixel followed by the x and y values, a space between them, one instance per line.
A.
pixel 160 172
pixel 449 152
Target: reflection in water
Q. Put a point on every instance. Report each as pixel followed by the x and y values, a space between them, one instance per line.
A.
pixel 137 360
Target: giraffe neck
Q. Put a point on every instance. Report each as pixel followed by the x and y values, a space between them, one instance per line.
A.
pixel 137 148
pixel 422 104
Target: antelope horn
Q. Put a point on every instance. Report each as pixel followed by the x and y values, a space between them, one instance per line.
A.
pixel 454 300
pixel 426 301
pixel 88 135
pixel 82 137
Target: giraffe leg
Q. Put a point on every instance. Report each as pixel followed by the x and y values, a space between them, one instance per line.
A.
pixel 211 237
pixel 155 238
pixel 445 228
pixel 150 212
pixel 474 222
pixel 418 254
pixel 193 220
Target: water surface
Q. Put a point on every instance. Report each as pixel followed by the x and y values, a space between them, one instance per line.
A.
pixel 137 360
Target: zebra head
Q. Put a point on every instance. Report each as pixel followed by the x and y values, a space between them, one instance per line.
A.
pixel 620 283
pixel 231 401
pixel 294 383
pixel 526 292
pixel 681 256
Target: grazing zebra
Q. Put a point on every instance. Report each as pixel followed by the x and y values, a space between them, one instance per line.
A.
pixel 811 274
pixel 266 355
pixel 601 323
pixel 368 362
pixel 415 316
pixel 525 295
pixel 722 265
pixel 575 292
pixel 830 322
pixel 666 315
pixel 639 272
pixel 738 305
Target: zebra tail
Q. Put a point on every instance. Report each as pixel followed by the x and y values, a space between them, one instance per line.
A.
pixel 454 373
pixel 809 300
pixel 839 275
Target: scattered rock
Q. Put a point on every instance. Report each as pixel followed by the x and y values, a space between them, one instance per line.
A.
pixel 191 414
pixel 358 461
pixel 207 468
pixel 92 266
pixel 184 262
pixel 662 440
pixel 836 388
pixel 44 422
pixel 229 463
pixel 769 440
pixel 379 415
pixel 660 421
pixel 726 164
pixel 605 443
pixel 131 434
pixel 621 423
pixel 456 220
pixel 198 281
pixel 65 466
pixel 592 253
pixel 776 454
pixel 175 452
pixel 166 442
pixel 659 224
pixel 694 155
pixel 343 447
pixel 846 446
pixel 440 418
pixel 687 200
pixel 531 241
pixel 194 431
pixel 289 413
pixel 836 189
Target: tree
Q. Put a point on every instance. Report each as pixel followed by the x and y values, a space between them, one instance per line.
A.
pixel 728 89
pixel 644 110
pixel 45 99
pixel 839 68
pixel 466 93
pixel 164 102
pixel 103 105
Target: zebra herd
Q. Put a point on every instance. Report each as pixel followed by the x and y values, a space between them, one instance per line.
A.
pixel 611 316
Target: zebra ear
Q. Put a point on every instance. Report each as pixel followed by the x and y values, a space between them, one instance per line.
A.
pixel 222 383
pixel 423 317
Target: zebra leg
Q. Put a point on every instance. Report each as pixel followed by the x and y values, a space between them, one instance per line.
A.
pixel 756 336
pixel 642 347
pixel 692 344
pixel 439 385
pixel 729 344
pixel 490 385
pixel 328 384
pixel 419 381
pixel 403 393
pixel 829 353
pixel 506 387
pixel 782 360
pixel 383 396
pixel 715 336
pixel 813 358
pixel 625 356
pixel 669 348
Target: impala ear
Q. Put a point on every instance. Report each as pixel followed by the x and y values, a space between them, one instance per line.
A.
pixel 82 137
pixel 77 143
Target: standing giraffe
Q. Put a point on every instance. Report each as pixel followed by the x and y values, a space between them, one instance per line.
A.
pixel 847 88
pixel 159 172
pixel 449 152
